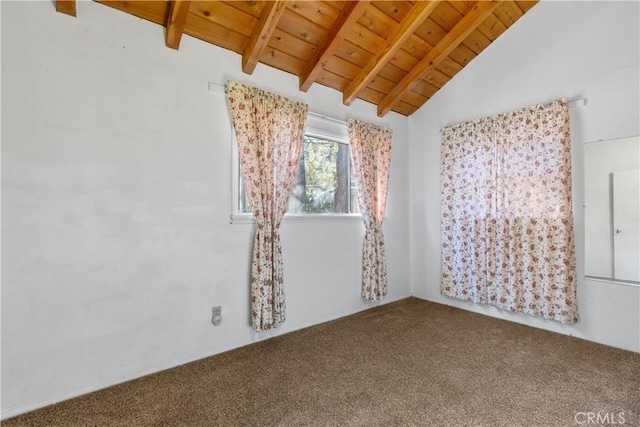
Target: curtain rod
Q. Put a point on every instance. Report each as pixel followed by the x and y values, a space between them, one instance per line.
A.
pixel 222 88
pixel 329 118
pixel 579 102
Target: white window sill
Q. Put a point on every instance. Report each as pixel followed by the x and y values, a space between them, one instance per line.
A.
pixel 248 218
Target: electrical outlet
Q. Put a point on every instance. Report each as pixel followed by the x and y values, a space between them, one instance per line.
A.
pixel 216 315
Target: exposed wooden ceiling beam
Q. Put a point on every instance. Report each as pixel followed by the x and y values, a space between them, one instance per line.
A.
pixel 352 11
pixel 416 16
pixel 261 35
pixel 480 11
pixel 67 7
pixel 176 19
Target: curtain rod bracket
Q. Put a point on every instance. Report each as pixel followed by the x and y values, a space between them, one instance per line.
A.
pixel 217 87
pixel 577 103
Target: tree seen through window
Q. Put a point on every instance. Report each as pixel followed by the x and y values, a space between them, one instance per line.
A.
pixel 323 182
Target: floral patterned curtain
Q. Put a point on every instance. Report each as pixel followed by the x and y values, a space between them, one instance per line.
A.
pixel 506 206
pixel 269 130
pixel 371 157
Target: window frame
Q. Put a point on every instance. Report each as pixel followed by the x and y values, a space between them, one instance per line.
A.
pixel 318 126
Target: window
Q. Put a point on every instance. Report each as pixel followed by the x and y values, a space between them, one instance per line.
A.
pixel 324 182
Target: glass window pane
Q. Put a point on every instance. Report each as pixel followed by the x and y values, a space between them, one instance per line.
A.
pixel 323 181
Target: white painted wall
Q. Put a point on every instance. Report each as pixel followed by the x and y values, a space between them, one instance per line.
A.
pixel 116 196
pixel 116 190
pixel 559 49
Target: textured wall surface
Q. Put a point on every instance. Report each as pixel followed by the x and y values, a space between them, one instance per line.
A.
pixel 116 196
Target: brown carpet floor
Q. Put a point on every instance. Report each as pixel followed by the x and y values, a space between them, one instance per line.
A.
pixel 409 363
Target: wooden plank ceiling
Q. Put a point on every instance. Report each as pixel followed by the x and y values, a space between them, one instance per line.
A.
pixel 394 54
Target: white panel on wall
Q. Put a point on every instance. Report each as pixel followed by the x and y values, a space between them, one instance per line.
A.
pixel 601 160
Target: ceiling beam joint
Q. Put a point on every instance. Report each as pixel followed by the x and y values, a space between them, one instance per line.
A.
pixel 176 19
pixel 480 11
pixel 414 19
pixel 262 33
pixel 68 7
pixel 352 11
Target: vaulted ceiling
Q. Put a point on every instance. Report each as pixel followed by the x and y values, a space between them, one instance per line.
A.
pixel 394 54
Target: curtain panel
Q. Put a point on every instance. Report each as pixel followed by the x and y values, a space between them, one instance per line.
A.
pixel 269 130
pixel 506 205
pixel 371 158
